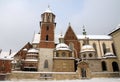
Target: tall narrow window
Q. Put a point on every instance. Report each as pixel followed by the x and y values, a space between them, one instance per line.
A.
pixel 47 28
pixel 94 45
pixel 113 48
pixel 104 48
pixel 46 64
pixel 115 66
pixel 71 45
pixel 57 54
pixel 46 37
pixel 104 68
pixel 70 54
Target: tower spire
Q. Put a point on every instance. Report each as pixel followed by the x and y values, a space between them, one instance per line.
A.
pixel 48 6
pixel 86 40
pixel 61 39
pixel 69 24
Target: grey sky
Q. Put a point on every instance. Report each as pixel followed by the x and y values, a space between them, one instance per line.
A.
pixel 20 18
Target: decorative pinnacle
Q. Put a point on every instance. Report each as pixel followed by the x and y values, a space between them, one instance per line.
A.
pixel 84 32
pixel 48 6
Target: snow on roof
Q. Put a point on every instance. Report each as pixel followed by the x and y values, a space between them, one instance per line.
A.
pixel 36 39
pixel 87 48
pixel 34 60
pixel 6 56
pixel 48 10
pixel 117 28
pixel 109 55
pixel 99 37
pixel 32 50
pixel 62 46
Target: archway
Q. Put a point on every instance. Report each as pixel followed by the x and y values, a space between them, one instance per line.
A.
pixel 104 67
pixel 83 72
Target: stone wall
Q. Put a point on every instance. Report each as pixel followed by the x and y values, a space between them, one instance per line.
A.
pixel 105 74
pixel 57 75
pixel 43 75
pixel 63 65
pixel 116 39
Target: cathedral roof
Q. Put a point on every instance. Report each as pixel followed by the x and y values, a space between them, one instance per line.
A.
pixel 109 55
pixel 97 37
pixel 6 56
pixel 36 38
pixel 34 60
pixel 86 48
pixel 116 29
pixel 32 50
pixel 62 46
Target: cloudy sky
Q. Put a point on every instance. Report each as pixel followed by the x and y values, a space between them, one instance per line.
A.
pixel 19 19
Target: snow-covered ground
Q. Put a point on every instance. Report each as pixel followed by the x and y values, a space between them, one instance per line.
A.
pixel 83 80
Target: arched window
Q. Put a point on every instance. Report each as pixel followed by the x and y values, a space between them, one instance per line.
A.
pixel 94 45
pixel 46 37
pixel 115 66
pixel 104 68
pixel 104 48
pixel 71 45
pixel 46 64
pixel 113 48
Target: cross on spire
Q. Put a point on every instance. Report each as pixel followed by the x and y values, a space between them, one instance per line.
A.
pixel 48 6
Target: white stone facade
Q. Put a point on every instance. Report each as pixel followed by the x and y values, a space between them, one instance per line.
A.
pixel 45 54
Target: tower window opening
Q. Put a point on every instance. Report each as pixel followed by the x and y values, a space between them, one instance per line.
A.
pixel 47 28
pixel 46 37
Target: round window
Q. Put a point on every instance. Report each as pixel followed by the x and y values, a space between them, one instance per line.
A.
pixel 90 55
pixel 84 55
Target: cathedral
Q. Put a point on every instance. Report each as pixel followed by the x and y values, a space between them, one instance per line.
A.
pixel 64 56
